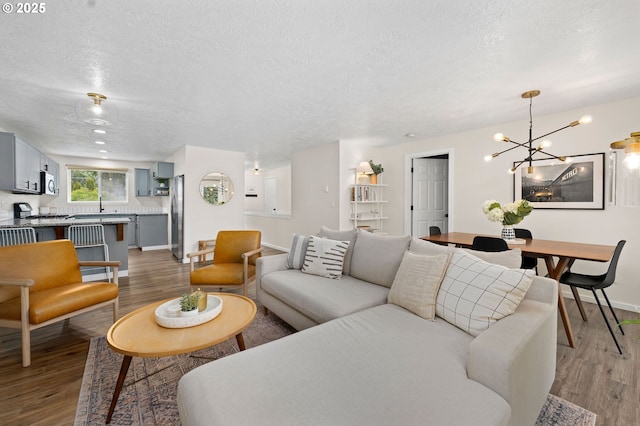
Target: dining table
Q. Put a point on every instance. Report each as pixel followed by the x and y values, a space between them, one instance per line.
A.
pixel 557 255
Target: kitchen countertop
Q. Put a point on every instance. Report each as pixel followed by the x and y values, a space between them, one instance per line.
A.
pixel 39 223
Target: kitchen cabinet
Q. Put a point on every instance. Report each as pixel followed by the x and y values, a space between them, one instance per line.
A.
pixel 143 182
pixel 162 174
pixel 19 165
pixel 152 231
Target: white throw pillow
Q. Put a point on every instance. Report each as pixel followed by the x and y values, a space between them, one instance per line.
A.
pixel 420 246
pixel 475 294
pixel 297 252
pixel 325 257
pixel 509 258
pixel 417 281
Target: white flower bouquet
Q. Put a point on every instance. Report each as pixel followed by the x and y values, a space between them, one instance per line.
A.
pixel 508 214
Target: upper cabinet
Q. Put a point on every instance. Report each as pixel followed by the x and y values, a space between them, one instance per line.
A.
pixel 162 175
pixel 20 165
pixel 143 181
pixel 154 182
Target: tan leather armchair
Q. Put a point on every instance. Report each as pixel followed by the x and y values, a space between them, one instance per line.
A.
pixel 234 261
pixel 41 283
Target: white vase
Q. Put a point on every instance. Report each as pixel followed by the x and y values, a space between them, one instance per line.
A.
pixel 508 233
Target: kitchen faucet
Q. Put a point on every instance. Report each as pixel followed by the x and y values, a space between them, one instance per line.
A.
pixel 100 204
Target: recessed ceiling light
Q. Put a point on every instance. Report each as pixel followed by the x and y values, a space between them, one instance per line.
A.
pixel 100 142
pixel 105 158
pixel 103 150
pixel 102 132
pixel 409 135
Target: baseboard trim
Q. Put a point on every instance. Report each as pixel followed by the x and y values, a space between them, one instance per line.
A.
pixel 589 299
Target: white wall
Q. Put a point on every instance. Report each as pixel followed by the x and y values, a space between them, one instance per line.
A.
pixel 475 181
pixel 282 175
pixel 316 197
pixel 202 220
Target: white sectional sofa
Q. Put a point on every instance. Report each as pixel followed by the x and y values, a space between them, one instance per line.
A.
pixel 361 360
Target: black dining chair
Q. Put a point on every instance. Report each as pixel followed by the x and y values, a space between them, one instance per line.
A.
pixel 598 282
pixel 489 244
pixel 434 230
pixel 528 262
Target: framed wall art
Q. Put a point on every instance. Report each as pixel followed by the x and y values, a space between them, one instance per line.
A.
pixel 557 185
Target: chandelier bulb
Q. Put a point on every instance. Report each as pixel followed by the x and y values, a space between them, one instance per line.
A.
pixel 499 137
pixel 585 119
pixel 512 170
pixel 545 144
pixel 488 157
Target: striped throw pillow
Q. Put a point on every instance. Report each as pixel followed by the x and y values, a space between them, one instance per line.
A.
pixel 297 252
pixel 325 257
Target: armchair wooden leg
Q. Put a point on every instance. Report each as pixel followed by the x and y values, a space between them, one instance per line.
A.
pixel 26 345
pixel 266 310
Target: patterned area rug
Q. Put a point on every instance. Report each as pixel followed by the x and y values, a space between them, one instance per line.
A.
pixel 148 396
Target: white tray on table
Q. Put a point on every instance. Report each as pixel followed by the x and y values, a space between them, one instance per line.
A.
pixel 164 319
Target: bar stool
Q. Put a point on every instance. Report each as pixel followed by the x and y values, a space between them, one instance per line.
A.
pixel 15 236
pixel 434 230
pixel 86 236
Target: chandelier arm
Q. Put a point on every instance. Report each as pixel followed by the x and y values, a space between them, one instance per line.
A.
pixel 550 133
pixel 550 155
pixel 507 150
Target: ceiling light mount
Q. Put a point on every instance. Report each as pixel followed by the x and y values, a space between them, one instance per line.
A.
pixel 98 113
pixel 528 145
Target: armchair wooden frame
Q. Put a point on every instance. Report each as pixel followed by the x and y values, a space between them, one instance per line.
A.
pixel 196 257
pixel 25 326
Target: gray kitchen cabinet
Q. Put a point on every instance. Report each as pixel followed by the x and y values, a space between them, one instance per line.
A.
pixel 132 231
pixel 19 165
pixel 152 231
pixel 143 182
pixel 162 174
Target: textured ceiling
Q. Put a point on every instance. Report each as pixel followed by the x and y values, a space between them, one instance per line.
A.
pixel 267 77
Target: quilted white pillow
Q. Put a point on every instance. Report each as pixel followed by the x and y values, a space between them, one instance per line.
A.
pixel 475 294
pixel 325 257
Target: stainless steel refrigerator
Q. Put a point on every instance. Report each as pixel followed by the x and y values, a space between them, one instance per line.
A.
pixel 177 217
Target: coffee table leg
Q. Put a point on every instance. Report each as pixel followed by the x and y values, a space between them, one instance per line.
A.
pixel 240 341
pixel 126 361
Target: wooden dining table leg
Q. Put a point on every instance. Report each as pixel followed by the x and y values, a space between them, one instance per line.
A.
pixel 576 296
pixel 126 361
pixel 555 270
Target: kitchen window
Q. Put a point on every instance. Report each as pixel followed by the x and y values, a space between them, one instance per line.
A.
pixel 91 185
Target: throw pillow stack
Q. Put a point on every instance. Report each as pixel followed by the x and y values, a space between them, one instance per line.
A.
pixel 458 286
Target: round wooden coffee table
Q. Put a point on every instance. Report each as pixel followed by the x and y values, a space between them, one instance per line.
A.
pixel 138 334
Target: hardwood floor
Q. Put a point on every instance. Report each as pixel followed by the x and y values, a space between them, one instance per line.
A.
pixel 593 375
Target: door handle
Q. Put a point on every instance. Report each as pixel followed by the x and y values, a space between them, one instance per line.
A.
pixel 446 215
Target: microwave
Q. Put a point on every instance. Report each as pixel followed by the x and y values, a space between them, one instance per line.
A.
pixel 48 183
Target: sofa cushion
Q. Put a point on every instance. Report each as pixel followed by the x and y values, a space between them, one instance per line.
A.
pixel 380 366
pixel 319 298
pixel 347 235
pixel 298 250
pixel 427 247
pixel 475 294
pixel 417 281
pixel 324 257
pixel 509 258
pixel 376 258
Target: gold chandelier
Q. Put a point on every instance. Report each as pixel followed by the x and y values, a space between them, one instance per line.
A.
pixel 499 137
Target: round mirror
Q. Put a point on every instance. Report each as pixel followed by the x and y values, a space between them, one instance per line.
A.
pixel 216 188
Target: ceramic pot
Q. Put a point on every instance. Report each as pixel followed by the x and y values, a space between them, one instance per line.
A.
pixel 508 233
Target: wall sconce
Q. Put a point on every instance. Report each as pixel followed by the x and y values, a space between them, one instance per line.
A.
pixel 631 146
pixel 363 173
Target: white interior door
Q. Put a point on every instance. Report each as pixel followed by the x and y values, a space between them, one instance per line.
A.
pixel 430 196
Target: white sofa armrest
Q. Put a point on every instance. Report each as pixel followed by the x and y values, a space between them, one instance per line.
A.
pixel 516 356
pixel 266 264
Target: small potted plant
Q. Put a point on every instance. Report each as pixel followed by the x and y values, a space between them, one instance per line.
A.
pixel 189 304
pixel 377 169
